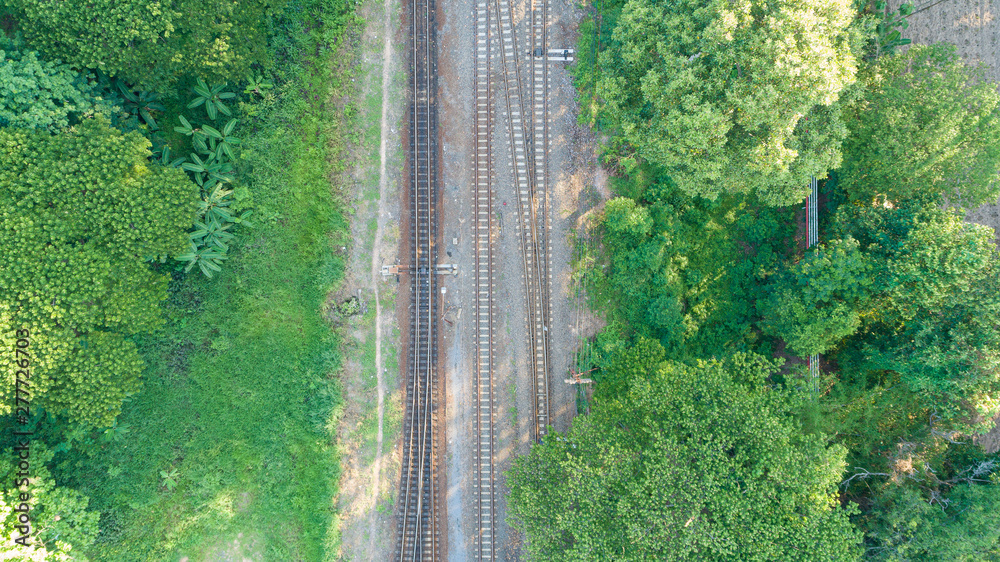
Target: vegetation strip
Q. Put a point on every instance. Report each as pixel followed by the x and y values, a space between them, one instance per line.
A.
pixel 226 449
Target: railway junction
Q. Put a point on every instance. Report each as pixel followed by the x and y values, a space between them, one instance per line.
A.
pixel 477 267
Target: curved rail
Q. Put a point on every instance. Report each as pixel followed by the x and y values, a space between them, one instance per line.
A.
pixel 418 533
pixel 540 198
pixel 533 269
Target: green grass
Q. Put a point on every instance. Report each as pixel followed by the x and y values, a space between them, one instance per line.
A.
pixel 241 395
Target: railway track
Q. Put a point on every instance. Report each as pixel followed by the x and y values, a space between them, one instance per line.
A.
pixel 418 535
pixel 812 237
pixel 540 200
pixel 482 225
pixel 525 172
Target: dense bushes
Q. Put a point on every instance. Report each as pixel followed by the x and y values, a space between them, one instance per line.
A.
pixel 684 270
pixel 150 44
pixel 83 211
pixel 900 296
pixel 91 216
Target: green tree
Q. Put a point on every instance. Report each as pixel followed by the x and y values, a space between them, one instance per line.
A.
pixel 961 525
pixel 691 465
pixel 935 313
pixel 816 303
pixel 927 126
pixel 39 94
pixel 61 527
pixel 80 214
pixel 732 96
pixel 150 44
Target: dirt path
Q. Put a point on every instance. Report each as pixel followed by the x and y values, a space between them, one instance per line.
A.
pixel 380 321
pixel 369 429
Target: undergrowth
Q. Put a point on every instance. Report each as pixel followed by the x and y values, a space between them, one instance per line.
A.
pixel 241 397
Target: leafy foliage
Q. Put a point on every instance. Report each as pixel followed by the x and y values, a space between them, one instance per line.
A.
pixel 814 304
pixel 81 212
pixel 231 345
pixel 902 298
pixel 141 104
pixel 692 465
pixel 926 128
pixel 671 273
pixel 62 527
pixel 211 98
pixel 210 240
pixel 257 84
pixel 887 37
pixel 962 524
pixel 150 44
pixel 44 95
pixel 935 315
pixel 732 96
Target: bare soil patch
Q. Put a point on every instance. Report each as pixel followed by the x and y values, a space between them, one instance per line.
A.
pixel 369 428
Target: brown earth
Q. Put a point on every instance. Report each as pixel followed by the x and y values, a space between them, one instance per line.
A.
pixel 369 430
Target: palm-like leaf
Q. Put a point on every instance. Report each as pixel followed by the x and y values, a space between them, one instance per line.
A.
pixel 186 127
pixel 256 84
pixel 165 158
pixel 141 104
pixel 211 131
pixel 212 98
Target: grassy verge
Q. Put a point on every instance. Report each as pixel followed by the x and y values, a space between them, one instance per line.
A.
pixel 229 452
pixel 366 534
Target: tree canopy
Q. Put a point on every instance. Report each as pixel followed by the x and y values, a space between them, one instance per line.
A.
pixel 934 317
pixel 42 94
pixel 814 304
pixel 150 44
pixel 962 525
pixel 80 214
pixel 926 127
pixel 686 462
pixel 732 96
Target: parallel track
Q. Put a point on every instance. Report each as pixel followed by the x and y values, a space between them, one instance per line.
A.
pixel 540 199
pixel 812 237
pixel 418 530
pixel 533 268
pixel 482 225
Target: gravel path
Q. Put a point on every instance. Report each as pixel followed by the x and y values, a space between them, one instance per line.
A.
pixel 573 171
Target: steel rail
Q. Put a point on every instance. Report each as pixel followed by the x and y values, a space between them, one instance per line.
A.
pixel 484 477
pixel 527 218
pixel 417 537
pixel 540 196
